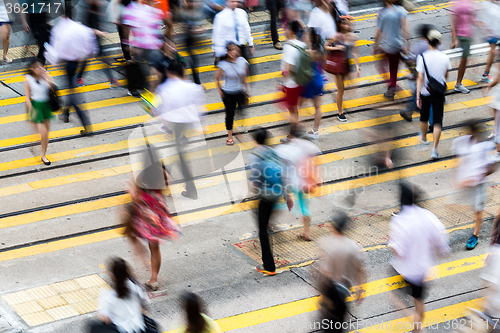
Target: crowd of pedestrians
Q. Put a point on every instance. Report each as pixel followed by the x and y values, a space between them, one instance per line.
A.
pixel 319 40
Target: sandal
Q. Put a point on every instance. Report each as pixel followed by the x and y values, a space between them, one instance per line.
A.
pixel 302 237
pixel 229 143
pixel 151 285
pixel 7 60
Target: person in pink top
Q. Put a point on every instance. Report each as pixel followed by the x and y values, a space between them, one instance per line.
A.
pixel 463 20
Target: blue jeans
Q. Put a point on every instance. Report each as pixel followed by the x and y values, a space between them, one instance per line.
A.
pixel 71 67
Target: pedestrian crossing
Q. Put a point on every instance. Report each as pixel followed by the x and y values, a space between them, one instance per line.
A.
pixel 105 161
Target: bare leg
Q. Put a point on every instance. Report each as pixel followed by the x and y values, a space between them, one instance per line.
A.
pixel 43 128
pixel 317 112
pixel 423 129
pixel 461 70
pixel 5 32
pixel 479 222
pixel 140 250
pixel 436 133
pixel 418 317
pixel 294 115
pixel 491 56
pixel 230 134
pixel 155 261
pixel 307 224
pixel 339 81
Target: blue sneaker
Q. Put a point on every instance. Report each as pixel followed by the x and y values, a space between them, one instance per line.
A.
pixel 471 243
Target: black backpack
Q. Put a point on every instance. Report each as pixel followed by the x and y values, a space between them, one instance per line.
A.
pixel 434 87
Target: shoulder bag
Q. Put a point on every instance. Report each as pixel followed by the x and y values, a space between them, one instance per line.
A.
pixel 434 87
pixel 55 105
pixel 245 93
pixel 337 62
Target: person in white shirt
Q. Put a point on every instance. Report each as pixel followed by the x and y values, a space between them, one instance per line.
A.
pixel 415 235
pixel 438 64
pixel 487 19
pixel 322 20
pixel 231 25
pixel 290 58
pixel 120 309
pixel 474 165
pixel 181 103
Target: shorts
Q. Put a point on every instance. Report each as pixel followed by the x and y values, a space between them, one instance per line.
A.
pixel 413 289
pixel 303 203
pixel 465 45
pixel 477 197
pixel 492 40
pixel 8 22
pixel 151 56
pixel 292 96
pixel 41 112
pixel 437 104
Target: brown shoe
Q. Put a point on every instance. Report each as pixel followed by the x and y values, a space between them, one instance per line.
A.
pixel 278 46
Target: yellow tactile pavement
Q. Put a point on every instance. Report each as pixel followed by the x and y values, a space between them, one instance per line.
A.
pixel 57 301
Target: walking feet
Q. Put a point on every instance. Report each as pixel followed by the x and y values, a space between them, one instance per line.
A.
pixel 45 160
pixel 151 285
pixel 261 269
pixel 471 242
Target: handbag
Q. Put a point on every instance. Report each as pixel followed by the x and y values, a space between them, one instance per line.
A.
pixel 337 62
pixel 434 87
pixel 246 98
pixel 55 105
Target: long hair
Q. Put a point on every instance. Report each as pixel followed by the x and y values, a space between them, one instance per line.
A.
pixel 33 64
pixel 193 307
pixel 120 271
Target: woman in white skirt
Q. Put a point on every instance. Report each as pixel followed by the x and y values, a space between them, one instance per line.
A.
pixel 495 104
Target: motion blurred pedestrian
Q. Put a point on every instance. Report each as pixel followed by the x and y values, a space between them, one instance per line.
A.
pixel 294 61
pixel 37 88
pixel 474 166
pixel 148 217
pixel 169 54
pixel 342 268
pixel 416 234
pixel 72 43
pixel 274 7
pixel 114 13
pixel 314 90
pixel 344 44
pixel 487 18
pixel 463 21
pixel 391 36
pixel 234 70
pixel 120 309
pixel 192 21
pixel 231 25
pixel 144 22
pixel 35 18
pixel 494 88
pixel 298 157
pixel 5 28
pixel 212 7
pixel 432 67
pixel 321 20
pixel 197 321
pixel 92 19
pixel 267 181
pixel 181 105
pixel 251 4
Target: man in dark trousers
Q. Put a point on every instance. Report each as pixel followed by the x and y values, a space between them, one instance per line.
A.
pixel 268 182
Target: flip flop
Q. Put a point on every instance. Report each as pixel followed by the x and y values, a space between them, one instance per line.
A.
pixel 7 60
pixel 152 286
pixel 229 143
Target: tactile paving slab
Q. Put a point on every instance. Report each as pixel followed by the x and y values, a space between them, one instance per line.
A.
pixel 367 230
pixel 57 301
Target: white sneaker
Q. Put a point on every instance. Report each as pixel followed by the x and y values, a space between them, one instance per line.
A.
pixel 424 142
pixel 491 136
pixel 495 157
pixel 460 88
pixel 434 154
pixel 312 134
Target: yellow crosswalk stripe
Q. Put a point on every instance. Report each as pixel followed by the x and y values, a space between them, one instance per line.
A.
pixel 215 128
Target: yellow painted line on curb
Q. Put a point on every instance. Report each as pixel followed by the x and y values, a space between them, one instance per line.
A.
pixel 215 128
pixel 58 72
pixel 311 304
